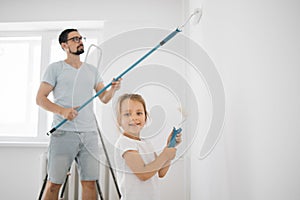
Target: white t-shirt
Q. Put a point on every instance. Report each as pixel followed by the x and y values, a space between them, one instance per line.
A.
pixel 73 87
pixel 131 187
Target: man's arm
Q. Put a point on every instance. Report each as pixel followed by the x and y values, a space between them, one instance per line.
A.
pixel 43 101
pixel 106 96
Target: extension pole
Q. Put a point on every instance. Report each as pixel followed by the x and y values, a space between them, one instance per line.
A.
pixel 170 36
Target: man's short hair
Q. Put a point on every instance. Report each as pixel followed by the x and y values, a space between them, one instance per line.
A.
pixel 63 37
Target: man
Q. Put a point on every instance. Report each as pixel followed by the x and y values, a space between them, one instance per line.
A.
pixel 72 83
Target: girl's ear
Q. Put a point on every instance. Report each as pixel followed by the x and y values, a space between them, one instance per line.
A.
pixel 119 124
pixel 148 120
pixel 119 120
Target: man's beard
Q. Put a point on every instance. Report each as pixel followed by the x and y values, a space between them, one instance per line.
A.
pixel 78 52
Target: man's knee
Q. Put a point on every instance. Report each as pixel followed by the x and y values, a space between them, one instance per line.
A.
pixel 53 187
pixel 89 184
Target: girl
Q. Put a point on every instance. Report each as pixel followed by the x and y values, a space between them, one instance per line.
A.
pixel 137 163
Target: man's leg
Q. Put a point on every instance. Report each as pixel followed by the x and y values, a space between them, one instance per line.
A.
pixel 52 191
pixel 62 150
pixel 88 164
pixel 89 191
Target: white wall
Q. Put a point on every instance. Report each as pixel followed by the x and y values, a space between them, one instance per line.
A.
pixel 32 10
pixel 21 174
pixel 255 46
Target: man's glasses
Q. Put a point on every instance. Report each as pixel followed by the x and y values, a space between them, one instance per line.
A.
pixel 77 39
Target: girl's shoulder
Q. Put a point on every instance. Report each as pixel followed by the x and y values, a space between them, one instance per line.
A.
pixel 123 139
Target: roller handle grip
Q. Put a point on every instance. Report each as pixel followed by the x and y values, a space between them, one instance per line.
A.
pixel 172 142
pixel 51 131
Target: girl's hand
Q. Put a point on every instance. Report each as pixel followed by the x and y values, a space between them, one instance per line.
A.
pixel 178 139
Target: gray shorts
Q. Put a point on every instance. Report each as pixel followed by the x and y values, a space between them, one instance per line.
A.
pixel 66 146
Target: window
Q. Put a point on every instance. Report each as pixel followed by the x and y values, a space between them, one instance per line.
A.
pixel 19 59
pixel 24 55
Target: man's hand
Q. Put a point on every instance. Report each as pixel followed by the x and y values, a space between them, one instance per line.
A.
pixel 116 84
pixel 69 113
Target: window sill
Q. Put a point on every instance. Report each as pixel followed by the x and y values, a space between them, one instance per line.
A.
pixel 24 142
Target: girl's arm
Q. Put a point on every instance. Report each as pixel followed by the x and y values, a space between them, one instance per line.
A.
pixel 144 172
pixel 163 171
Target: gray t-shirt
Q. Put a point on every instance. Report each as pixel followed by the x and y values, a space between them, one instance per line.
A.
pixel 73 87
